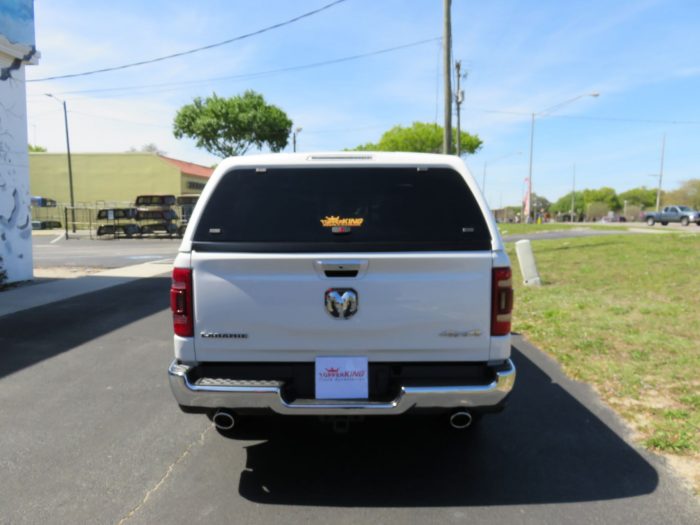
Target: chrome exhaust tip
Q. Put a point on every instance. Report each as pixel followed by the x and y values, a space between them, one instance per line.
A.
pixel 223 420
pixel 460 419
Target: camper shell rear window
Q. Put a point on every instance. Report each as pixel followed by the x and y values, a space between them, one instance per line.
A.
pixel 341 209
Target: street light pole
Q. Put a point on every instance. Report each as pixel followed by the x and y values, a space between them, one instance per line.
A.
pixel 294 138
pixel 551 109
pixel 529 175
pixel 573 194
pixel 661 173
pixel 70 165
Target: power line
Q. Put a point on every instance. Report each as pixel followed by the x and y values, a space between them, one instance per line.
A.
pixel 244 76
pixel 321 131
pixel 195 50
pixel 104 117
pixel 584 117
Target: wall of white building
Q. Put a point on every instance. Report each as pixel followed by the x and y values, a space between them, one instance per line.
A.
pixel 15 215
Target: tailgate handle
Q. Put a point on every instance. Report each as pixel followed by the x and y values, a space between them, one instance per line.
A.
pixel 341 273
pixel 347 269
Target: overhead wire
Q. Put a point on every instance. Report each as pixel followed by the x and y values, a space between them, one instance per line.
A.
pixel 585 117
pixel 167 86
pixel 194 50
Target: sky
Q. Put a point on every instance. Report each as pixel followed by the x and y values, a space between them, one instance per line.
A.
pixel 521 57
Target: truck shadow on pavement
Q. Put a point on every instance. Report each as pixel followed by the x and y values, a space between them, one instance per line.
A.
pixel 546 447
pixel 30 336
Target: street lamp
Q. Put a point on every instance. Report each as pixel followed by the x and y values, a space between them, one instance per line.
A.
pixel 483 182
pixel 294 138
pixel 544 112
pixel 70 166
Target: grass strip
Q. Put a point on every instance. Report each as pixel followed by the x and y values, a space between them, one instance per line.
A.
pixel 622 313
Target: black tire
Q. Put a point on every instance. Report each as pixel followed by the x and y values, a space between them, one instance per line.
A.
pixel 650 221
pixel 685 221
pixel 664 224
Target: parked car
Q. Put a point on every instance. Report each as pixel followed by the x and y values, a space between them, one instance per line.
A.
pixel 45 225
pixel 342 284
pixel 683 214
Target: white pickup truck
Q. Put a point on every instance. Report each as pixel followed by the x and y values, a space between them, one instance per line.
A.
pixel 342 284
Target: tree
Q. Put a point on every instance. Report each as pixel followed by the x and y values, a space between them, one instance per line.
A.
pixel 36 149
pixel 605 195
pixel 152 148
pixel 230 126
pixel 540 203
pixel 147 148
pixel 688 195
pixel 641 196
pixel 421 137
pixel 563 205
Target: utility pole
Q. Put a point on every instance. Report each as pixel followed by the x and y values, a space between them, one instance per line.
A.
pixel 573 194
pixel 447 69
pixel 70 165
pixel 529 176
pixel 459 98
pixel 294 139
pixel 661 173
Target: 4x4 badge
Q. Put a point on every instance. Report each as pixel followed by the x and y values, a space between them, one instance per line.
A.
pixel 341 303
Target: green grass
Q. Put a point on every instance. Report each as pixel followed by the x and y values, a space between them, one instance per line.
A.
pixel 623 313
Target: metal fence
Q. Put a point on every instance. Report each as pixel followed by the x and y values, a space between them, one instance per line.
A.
pixel 85 221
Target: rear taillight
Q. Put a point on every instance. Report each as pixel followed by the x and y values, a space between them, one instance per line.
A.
pixel 501 301
pixel 181 302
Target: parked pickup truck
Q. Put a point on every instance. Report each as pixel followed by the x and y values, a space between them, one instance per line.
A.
pixel 342 284
pixel 682 214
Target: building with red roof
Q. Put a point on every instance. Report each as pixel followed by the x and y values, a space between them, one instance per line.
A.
pixel 100 178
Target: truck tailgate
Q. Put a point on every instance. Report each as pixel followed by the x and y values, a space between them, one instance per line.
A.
pixel 422 306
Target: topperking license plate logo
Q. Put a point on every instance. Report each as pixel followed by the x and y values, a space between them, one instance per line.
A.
pixel 342 378
pixel 339 224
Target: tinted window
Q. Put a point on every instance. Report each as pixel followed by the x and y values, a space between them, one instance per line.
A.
pixel 343 209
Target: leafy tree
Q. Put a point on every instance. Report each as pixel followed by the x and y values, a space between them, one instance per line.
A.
pixel 230 126
pixel 563 205
pixel 152 148
pixel 688 195
pixel 147 148
pixel 605 195
pixel 420 137
pixel 540 203
pixel 36 149
pixel 641 196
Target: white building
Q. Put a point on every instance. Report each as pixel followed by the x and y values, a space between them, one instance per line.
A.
pixel 16 50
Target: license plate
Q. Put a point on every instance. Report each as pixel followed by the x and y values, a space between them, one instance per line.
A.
pixel 342 378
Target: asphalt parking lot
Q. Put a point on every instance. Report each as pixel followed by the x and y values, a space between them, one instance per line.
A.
pixel 91 434
pixel 52 251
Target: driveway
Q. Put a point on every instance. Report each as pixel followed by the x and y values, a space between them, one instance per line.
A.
pixel 56 251
pixel 91 434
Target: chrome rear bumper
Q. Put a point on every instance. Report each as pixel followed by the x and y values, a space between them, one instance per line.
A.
pixel 268 395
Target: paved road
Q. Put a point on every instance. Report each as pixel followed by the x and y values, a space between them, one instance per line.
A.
pixel 53 251
pixel 89 433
